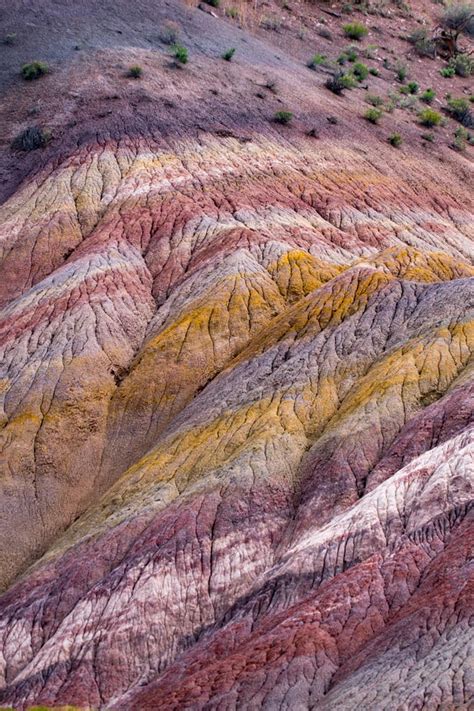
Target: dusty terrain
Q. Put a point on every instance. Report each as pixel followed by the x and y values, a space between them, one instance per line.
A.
pixel 237 377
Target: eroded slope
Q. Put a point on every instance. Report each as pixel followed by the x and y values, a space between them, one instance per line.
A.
pixel 237 420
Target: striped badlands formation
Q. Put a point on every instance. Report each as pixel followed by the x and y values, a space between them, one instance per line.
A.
pixel 237 424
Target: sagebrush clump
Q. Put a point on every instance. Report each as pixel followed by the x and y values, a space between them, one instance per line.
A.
pixel 340 81
pixel 462 64
pixel 423 44
pixel 31 139
pixel 360 71
pixel 34 70
pixel 395 140
pixel 355 30
pixel 430 118
pixel 283 117
pixel 170 32
pixel 316 61
pixel 373 115
pixel 428 96
pixel 459 110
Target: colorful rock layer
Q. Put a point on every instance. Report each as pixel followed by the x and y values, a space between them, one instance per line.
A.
pixel 240 374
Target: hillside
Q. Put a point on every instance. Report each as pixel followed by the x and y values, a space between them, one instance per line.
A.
pixel 237 378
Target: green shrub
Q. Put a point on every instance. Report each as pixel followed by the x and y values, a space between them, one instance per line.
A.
pixel 395 140
pixel 428 96
pixel 428 137
pixel 180 53
pixel 349 81
pixel 412 87
pixel 355 30
pixel 316 61
pixel 338 82
pixel 374 71
pixel 351 54
pixel 447 72
pixel 430 118
pixel 462 64
pixel 31 138
pixel 213 3
pixel 461 135
pixel 373 115
pixel 374 100
pixel 360 71
pixel 34 70
pixel 232 12
pixel 229 54
pixel 402 72
pixel 135 72
pixel 283 117
pixel 459 110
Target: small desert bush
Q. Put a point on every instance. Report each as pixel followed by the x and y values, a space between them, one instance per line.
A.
pixel 271 22
pixel 170 32
pixel 34 70
pixel 283 117
pixel 180 53
pixel 462 64
pixel 430 118
pixel 428 96
pixel 316 61
pixel 355 30
pixel 31 138
pixel 229 54
pixel 360 71
pixel 401 71
pixel 338 82
pixel 232 12
pixel 447 72
pixel 369 51
pixel 213 3
pixel 459 110
pixel 423 44
pixel 135 72
pixel 374 71
pixel 271 85
pixel 461 135
pixel 373 115
pixel 10 39
pixel 351 54
pixel 395 140
pixel 374 100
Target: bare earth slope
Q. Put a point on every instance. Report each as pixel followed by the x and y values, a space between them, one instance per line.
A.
pixel 237 381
